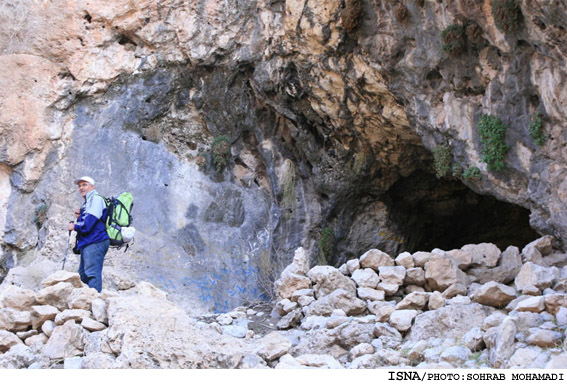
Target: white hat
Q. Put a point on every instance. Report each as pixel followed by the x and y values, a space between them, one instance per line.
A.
pixel 86 179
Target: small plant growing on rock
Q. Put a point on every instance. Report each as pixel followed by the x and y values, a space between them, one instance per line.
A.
pixel 536 128
pixel 454 39
pixel 442 160
pixel 472 173
pixel 507 15
pixel 40 214
pixel 327 242
pixel 220 152
pixel 201 160
pixel 493 139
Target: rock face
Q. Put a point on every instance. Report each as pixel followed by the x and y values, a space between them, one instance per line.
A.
pixel 247 130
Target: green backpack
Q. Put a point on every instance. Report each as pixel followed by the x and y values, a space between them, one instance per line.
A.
pixel 119 219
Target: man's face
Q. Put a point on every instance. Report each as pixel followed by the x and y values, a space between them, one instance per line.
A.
pixel 85 188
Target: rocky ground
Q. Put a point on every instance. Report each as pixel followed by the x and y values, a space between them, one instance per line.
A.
pixel 474 307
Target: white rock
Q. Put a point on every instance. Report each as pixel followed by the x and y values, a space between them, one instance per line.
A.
pixel 368 294
pixel 56 295
pixel 17 298
pixel 533 304
pixel 67 340
pixel 374 259
pixel 352 265
pixel 42 313
pixel 63 276
pixel 73 363
pixel 362 349
pixel 406 260
pixel 456 354
pixel 392 275
pixel 47 328
pixel 7 340
pixel 532 275
pixel 402 319
pixel 365 278
pixel 99 307
pixel 322 361
pixel 327 279
pixel 416 301
pixel 92 325
pixel 224 319
pixel 273 346
pixel 71 314
pixel 436 301
pixel 494 294
pixel 14 320
pixel 483 254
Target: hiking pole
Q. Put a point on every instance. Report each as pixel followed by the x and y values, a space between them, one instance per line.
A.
pixel 67 248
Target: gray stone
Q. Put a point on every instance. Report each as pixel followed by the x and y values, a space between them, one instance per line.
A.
pixel 99 307
pixel 393 275
pixel 92 325
pixel 369 294
pixel 352 265
pixel 56 295
pixel 290 320
pixel 63 276
pixel 406 260
pixel 441 272
pixel 67 340
pixel 503 343
pixel 42 313
pixel 533 304
pixel 415 276
pixel 508 268
pixel 416 301
pixel 14 320
pixel 544 338
pixel 338 299
pixel 73 363
pixel 71 314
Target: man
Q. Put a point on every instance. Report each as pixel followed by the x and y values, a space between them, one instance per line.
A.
pixel 92 239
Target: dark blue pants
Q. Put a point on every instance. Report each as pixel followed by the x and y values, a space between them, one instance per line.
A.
pixel 90 268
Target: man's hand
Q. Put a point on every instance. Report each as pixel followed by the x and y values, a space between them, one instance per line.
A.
pixel 71 226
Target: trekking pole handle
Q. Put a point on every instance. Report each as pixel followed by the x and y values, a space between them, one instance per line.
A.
pixel 70 223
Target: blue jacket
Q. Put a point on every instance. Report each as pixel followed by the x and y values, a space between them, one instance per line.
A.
pixel 90 226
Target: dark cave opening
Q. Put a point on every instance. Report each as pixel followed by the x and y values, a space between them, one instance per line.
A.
pixel 446 214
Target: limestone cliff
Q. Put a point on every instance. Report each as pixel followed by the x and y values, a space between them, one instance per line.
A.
pixel 338 115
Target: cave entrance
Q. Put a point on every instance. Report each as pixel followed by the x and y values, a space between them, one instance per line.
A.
pixel 446 214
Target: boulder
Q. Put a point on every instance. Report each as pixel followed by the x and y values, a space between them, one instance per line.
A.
pixel 98 308
pixel 505 272
pixel 462 259
pixel 375 258
pixel 327 279
pixel 436 301
pixel 290 320
pixel 532 275
pixel 553 302
pixel 365 278
pixel 288 283
pixel 544 338
pixel 14 320
pixel 76 315
pixel 368 294
pixel 91 325
pixel 415 276
pixel 420 258
pixel 393 275
pixel 483 254
pixel 338 299
pixel 502 344
pixel 56 295
pixel 533 304
pixel 82 298
pixel 494 294
pixel 447 322
pixel 402 319
pixel 536 250
pixel 63 276
pixel 17 298
pixel 352 265
pixel 273 346
pixel 441 272
pixel 381 309
pixel 7 340
pixel 67 340
pixel 42 313
pixel 415 301
pixel 405 259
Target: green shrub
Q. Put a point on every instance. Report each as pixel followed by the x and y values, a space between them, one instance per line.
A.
pixel 454 39
pixel 327 242
pixel 442 161
pixel 536 128
pixel 40 214
pixel 493 139
pixel 220 152
pixel 472 173
pixel 507 15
